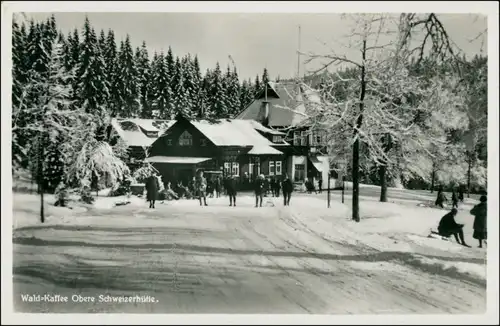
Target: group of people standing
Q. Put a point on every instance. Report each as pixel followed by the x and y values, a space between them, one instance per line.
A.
pixel 201 188
pixel 286 186
pixel 456 197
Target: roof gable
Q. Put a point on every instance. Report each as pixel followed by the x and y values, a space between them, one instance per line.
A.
pixel 285 110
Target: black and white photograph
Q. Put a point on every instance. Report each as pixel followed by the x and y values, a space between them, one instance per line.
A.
pixel 251 162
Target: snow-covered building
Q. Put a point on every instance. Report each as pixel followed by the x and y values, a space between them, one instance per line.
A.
pixel 244 148
pixel 138 135
pixel 280 106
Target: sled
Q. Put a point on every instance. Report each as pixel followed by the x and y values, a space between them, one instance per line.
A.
pixel 436 235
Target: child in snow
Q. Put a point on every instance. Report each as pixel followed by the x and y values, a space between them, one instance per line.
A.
pixel 479 211
pixel 448 226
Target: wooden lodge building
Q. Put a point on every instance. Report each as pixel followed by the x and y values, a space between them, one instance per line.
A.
pixel 280 106
pixel 263 139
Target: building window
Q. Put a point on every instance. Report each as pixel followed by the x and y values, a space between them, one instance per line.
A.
pixel 277 139
pixel 296 138
pixel 251 166
pixel 227 168
pixel 236 168
pixel 169 142
pixel 278 167
pixel 203 142
pixel 185 139
pixel 303 138
pixel 271 167
pixel 300 172
pixel 318 140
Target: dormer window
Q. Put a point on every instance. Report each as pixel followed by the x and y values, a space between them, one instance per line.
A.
pixel 185 139
pixel 277 139
pixel 152 134
pixel 203 142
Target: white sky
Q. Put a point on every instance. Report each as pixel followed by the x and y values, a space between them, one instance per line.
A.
pixel 254 40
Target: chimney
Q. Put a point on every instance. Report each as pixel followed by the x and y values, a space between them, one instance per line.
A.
pixel 264 113
pixel 264 109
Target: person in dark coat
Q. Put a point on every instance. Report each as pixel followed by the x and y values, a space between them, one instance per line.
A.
pixel 231 190
pixel 479 211
pixel 454 199
pixel 266 186
pixel 218 186
pixel 277 187
pixel 259 190
pixel 448 226
pixel 320 185
pixel 201 187
pixel 152 190
pixel 441 198
pixel 287 188
pixel 461 194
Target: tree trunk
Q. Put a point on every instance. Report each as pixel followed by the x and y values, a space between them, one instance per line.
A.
pixel 383 183
pixel 387 143
pixel 468 175
pixel 355 181
pixel 433 179
pixel 355 146
pixel 40 177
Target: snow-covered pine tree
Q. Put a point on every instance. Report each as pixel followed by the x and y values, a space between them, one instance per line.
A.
pixel 93 85
pixel 228 99
pixel 235 93
pixel 110 55
pixel 204 106
pixel 102 41
pixel 161 91
pixel 143 73
pixel 246 94
pixel 217 96
pixel 128 85
pixel 19 80
pixel 169 61
pixel 180 95
pixel 75 47
pixel 257 86
pixel 192 84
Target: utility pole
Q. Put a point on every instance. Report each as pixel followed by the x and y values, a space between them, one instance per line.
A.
pixel 343 187
pixel 328 196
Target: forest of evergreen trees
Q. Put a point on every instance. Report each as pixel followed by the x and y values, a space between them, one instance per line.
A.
pixel 127 82
pixel 67 87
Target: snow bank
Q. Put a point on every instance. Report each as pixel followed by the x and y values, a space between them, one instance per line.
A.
pixel 472 269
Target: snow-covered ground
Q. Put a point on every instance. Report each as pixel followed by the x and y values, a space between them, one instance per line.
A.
pixel 305 258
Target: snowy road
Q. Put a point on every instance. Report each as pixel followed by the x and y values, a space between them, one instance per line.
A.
pixel 220 259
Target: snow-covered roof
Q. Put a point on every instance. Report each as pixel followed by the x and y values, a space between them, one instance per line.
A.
pixel 177 159
pixel 285 110
pixel 231 132
pixel 260 127
pixel 140 132
pixel 264 150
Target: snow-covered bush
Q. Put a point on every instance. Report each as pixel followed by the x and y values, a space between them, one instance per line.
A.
pixel 144 172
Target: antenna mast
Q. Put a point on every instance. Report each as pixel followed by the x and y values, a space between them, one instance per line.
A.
pixel 298 57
